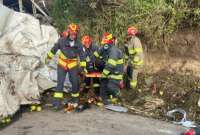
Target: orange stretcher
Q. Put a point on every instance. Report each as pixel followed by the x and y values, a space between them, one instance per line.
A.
pixel 93 75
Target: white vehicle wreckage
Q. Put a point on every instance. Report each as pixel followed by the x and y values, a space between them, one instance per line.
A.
pixel 24 43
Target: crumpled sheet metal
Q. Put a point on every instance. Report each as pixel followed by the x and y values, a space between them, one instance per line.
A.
pixel 184 122
pixel 24 43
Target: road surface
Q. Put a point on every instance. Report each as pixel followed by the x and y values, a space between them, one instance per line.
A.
pixel 89 122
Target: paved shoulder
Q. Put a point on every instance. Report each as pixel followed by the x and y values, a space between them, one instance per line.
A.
pixel 94 121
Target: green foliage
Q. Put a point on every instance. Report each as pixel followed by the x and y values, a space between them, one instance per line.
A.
pixel 155 19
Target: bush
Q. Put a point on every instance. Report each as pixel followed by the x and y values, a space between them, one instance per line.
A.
pixel 155 19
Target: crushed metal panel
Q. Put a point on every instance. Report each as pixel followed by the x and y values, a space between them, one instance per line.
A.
pixel 5 14
pixel 24 44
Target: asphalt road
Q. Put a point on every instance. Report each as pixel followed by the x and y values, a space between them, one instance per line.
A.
pixel 89 122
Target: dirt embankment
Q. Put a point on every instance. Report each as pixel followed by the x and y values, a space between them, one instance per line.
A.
pixel 182 55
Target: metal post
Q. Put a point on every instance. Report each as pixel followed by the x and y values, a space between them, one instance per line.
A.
pixel 20 5
pixel 34 8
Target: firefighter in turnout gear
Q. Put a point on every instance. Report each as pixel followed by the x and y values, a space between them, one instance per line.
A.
pixel 110 60
pixel 134 56
pixel 88 64
pixel 70 50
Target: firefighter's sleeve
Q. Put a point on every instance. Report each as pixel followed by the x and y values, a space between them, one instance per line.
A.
pixel 111 63
pixel 54 49
pixel 82 57
pixel 138 58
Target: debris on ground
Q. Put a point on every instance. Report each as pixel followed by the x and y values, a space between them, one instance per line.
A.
pixel 183 121
pixel 117 108
pixel 163 91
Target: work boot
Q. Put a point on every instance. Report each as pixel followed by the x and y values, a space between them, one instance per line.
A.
pixel 75 98
pixel 35 108
pixel 57 100
pixel 6 120
pixel 106 102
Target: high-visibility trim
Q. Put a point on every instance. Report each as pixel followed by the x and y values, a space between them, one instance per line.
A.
pixel 138 50
pixel 131 51
pixel 87 87
pixel 117 77
pixel 126 57
pixel 95 85
pixel 139 63
pixel 67 65
pixel 61 55
pixel 62 63
pixel 96 54
pixel 100 104
pixel 83 63
pixel 120 61
pixel 58 95
pixel 85 70
pixel 133 83
pixel 50 54
pixel 33 107
pixel 113 100
pixel 75 95
pixel 88 59
pixel 136 59
pixel 112 62
pixel 106 72
pixel 72 65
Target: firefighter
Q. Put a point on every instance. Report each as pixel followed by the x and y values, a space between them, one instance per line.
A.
pixel 134 55
pixel 88 63
pixel 69 51
pixel 110 60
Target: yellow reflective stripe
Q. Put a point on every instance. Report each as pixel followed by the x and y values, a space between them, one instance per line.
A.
pixel 62 63
pixel 87 87
pixel 117 77
pixel 85 70
pixel 50 54
pixel 138 50
pixel 112 62
pixel 133 83
pixel 75 94
pixel 126 57
pixel 96 85
pixel 62 56
pixel 131 51
pixel 136 59
pixel 120 61
pixel 83 64
pixel 58 95
pixel 96 54
pixel 106 72
pixel 72 65
pixel 139 63
pixel 88 59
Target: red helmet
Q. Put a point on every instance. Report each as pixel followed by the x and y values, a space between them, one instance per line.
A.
pixel 107 39
pixel 86 41
pixel 132 31
pixel 65 33
pixel 72 29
